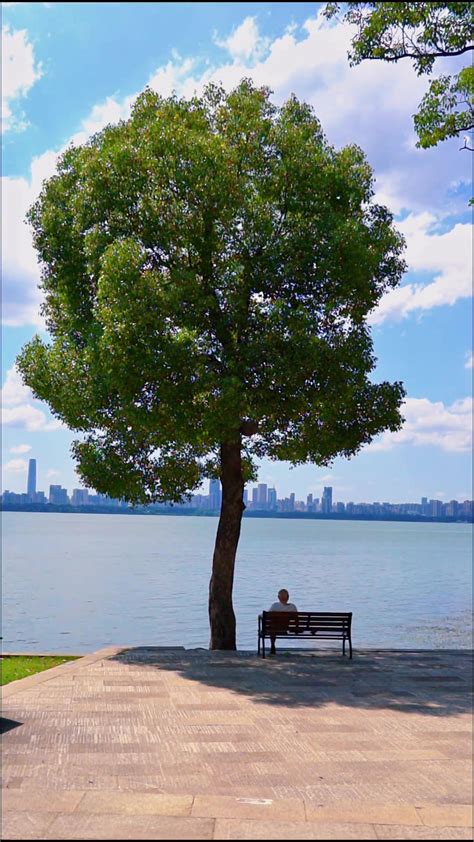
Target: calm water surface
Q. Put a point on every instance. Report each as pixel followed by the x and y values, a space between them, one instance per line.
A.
pixel 77 582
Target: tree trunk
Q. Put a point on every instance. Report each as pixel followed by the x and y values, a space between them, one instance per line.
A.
pixel 221 612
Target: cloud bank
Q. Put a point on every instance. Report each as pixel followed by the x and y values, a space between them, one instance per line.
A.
pixel 19 73
pixel 428 423
pixel 21 410
pixel 368 106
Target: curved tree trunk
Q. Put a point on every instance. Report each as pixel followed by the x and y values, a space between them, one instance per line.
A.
pixel 221 612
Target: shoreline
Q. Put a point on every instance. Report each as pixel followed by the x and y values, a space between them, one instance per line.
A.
pixel 194 512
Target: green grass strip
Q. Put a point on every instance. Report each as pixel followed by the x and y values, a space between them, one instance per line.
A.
pixel 21 666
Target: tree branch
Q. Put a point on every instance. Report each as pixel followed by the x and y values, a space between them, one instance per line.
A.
pixel 437 54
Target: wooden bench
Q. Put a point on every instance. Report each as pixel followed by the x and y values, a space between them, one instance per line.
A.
pixel 312 625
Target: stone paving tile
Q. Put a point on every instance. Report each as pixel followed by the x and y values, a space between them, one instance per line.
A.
pixel 25 825
pixel 40 801
pixel 107 826
pixel 144 783
pixel 419 832
pixel 452 815
pixel 136 803
pixel 248 807
pixel 66 780
pixel 395 814
pixel 241 829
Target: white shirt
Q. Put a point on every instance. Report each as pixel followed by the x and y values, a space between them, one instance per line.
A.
pixel 280 606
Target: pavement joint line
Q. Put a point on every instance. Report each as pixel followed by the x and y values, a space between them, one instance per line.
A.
pixel 335 818
pixel 80 801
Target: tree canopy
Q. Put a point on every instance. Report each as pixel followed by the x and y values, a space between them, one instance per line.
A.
pixel 422 32
pixel 208 267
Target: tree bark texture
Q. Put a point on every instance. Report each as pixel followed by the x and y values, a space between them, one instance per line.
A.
pixel 221 611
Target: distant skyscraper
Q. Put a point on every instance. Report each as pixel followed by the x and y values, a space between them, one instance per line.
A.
pixel 292 501
pixel 31 488
pixel 262 495
pixel 246 496
pixel 58 495
pixel 436 508
pixel 272 498
pixel 80 497
pixel 326 502
pixel 254 498
pixel 215 494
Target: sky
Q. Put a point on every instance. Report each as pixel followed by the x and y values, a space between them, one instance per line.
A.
pixel 69 69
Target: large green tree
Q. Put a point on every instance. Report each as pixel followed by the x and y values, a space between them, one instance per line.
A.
pixel 208 266
pixel 422 32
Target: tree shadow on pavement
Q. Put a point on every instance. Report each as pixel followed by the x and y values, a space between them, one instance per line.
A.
pixel 431 682
pixel 8 724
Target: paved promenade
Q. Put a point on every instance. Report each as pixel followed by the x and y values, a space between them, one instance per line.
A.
pixel 148 743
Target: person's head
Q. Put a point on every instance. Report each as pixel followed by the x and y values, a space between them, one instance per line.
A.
pixel 283 596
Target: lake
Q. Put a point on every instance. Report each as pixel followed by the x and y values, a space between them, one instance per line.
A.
pixel 78 582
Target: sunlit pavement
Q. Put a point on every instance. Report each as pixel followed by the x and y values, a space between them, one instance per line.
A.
pixel 153 743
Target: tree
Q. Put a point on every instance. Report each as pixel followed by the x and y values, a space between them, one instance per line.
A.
pixel 208 266
pixel 422 32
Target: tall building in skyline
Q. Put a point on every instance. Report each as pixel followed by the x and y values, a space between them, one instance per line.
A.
pixel 272 498
pixel 326 502
pixel 58 495
pixel 80 497
pixel 31 486
pixel 215 494
pixel 262 495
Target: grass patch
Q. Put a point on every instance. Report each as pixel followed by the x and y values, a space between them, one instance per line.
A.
pixel 20 666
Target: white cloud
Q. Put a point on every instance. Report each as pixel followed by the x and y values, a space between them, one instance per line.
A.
pixel 52 474
pixel 19 73
pixel 428 423
pixel 171 77
pixel 18 410
pixel 109 111
pixel 469 361
pixel 15 466
pixel 245 42
pixel 366 105
pixel 20 268
pixel 21 297
pixel 447 255
pixel 14 391
pixel 29 418
pixel 21 448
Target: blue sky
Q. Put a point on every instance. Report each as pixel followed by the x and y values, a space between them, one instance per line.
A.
pixel 70 68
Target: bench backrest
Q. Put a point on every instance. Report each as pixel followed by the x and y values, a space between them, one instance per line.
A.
pixel 330 622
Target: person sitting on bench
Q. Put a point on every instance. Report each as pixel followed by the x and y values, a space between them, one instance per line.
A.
pixel 281 605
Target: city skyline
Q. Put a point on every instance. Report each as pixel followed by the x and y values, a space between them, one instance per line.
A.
pixel 257 497
pixel 290 48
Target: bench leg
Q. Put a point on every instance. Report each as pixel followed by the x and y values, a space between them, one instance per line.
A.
pixel 263 646
pixel 258 645
pixel 350 648
pixel 343 645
